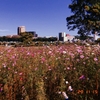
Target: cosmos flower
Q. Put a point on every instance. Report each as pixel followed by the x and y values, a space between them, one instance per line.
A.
pixel 70 88
pixel 95 59
pixel 82 77
pixel 66 82
pixel 65 95
pixel 81 56
pixel 20 73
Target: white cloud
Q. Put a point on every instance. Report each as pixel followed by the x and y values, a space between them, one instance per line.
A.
pixel 4 30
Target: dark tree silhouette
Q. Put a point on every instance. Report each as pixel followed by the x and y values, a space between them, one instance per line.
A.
pixel 85 18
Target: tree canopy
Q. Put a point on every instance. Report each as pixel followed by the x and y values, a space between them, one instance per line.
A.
pixel 85 17
pixel 26 38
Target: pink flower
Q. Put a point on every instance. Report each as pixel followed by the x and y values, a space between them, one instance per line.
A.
pixel 4 65
pixel 15 72
pixel 68 68
pixel 77 60
pixel 42 60
pixel 8 68
pixel 32 55
pixel 36 68
pixel 49 52
pixel 20 73
pixel 74 68
pixel 82 77
pixel 13 57
pixel 28 53
pixel 79 51
pixel 84 63
pixel 95 59
pixel 49 67
pixel 1 89
pixel 64 52
pixel 81 56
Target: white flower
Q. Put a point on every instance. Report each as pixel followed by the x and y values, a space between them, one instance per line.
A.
pixel 70 88
pixel 64 52
pixel 66 82
pixel 4 66
pixel 59 92
pixel 63 79
pixel 92 53
pixel 65 95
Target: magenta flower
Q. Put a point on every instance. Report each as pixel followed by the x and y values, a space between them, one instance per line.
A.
pixel 82 77
pixel 1 89
pixel 79 51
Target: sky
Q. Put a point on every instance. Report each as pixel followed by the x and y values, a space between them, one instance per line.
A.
pixel 45 17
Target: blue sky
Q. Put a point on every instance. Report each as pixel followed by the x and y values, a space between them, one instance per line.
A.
pixel 46 17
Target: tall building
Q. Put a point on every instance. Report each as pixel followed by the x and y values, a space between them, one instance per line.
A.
pixel 65 37
pixel 62 36
pixel 20 29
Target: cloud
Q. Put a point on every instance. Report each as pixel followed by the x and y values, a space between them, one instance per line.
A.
pixel 4 30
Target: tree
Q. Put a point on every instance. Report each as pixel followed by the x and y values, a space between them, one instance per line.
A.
pixel 26 38
pixel 85 18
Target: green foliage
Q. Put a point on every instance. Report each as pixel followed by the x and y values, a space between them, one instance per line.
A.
pixel 85 16
pixel 10 38
pixel 45 39
pixel 26 38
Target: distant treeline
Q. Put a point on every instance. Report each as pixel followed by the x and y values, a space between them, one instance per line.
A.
pixel 46 39
pixel 19 39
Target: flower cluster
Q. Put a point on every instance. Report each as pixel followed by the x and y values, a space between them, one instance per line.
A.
pixel 44 71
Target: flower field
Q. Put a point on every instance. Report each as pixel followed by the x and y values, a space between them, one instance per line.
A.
pixel 43 73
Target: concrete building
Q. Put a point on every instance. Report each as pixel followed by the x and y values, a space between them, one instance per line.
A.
pixel 65 37
pixel 20 29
